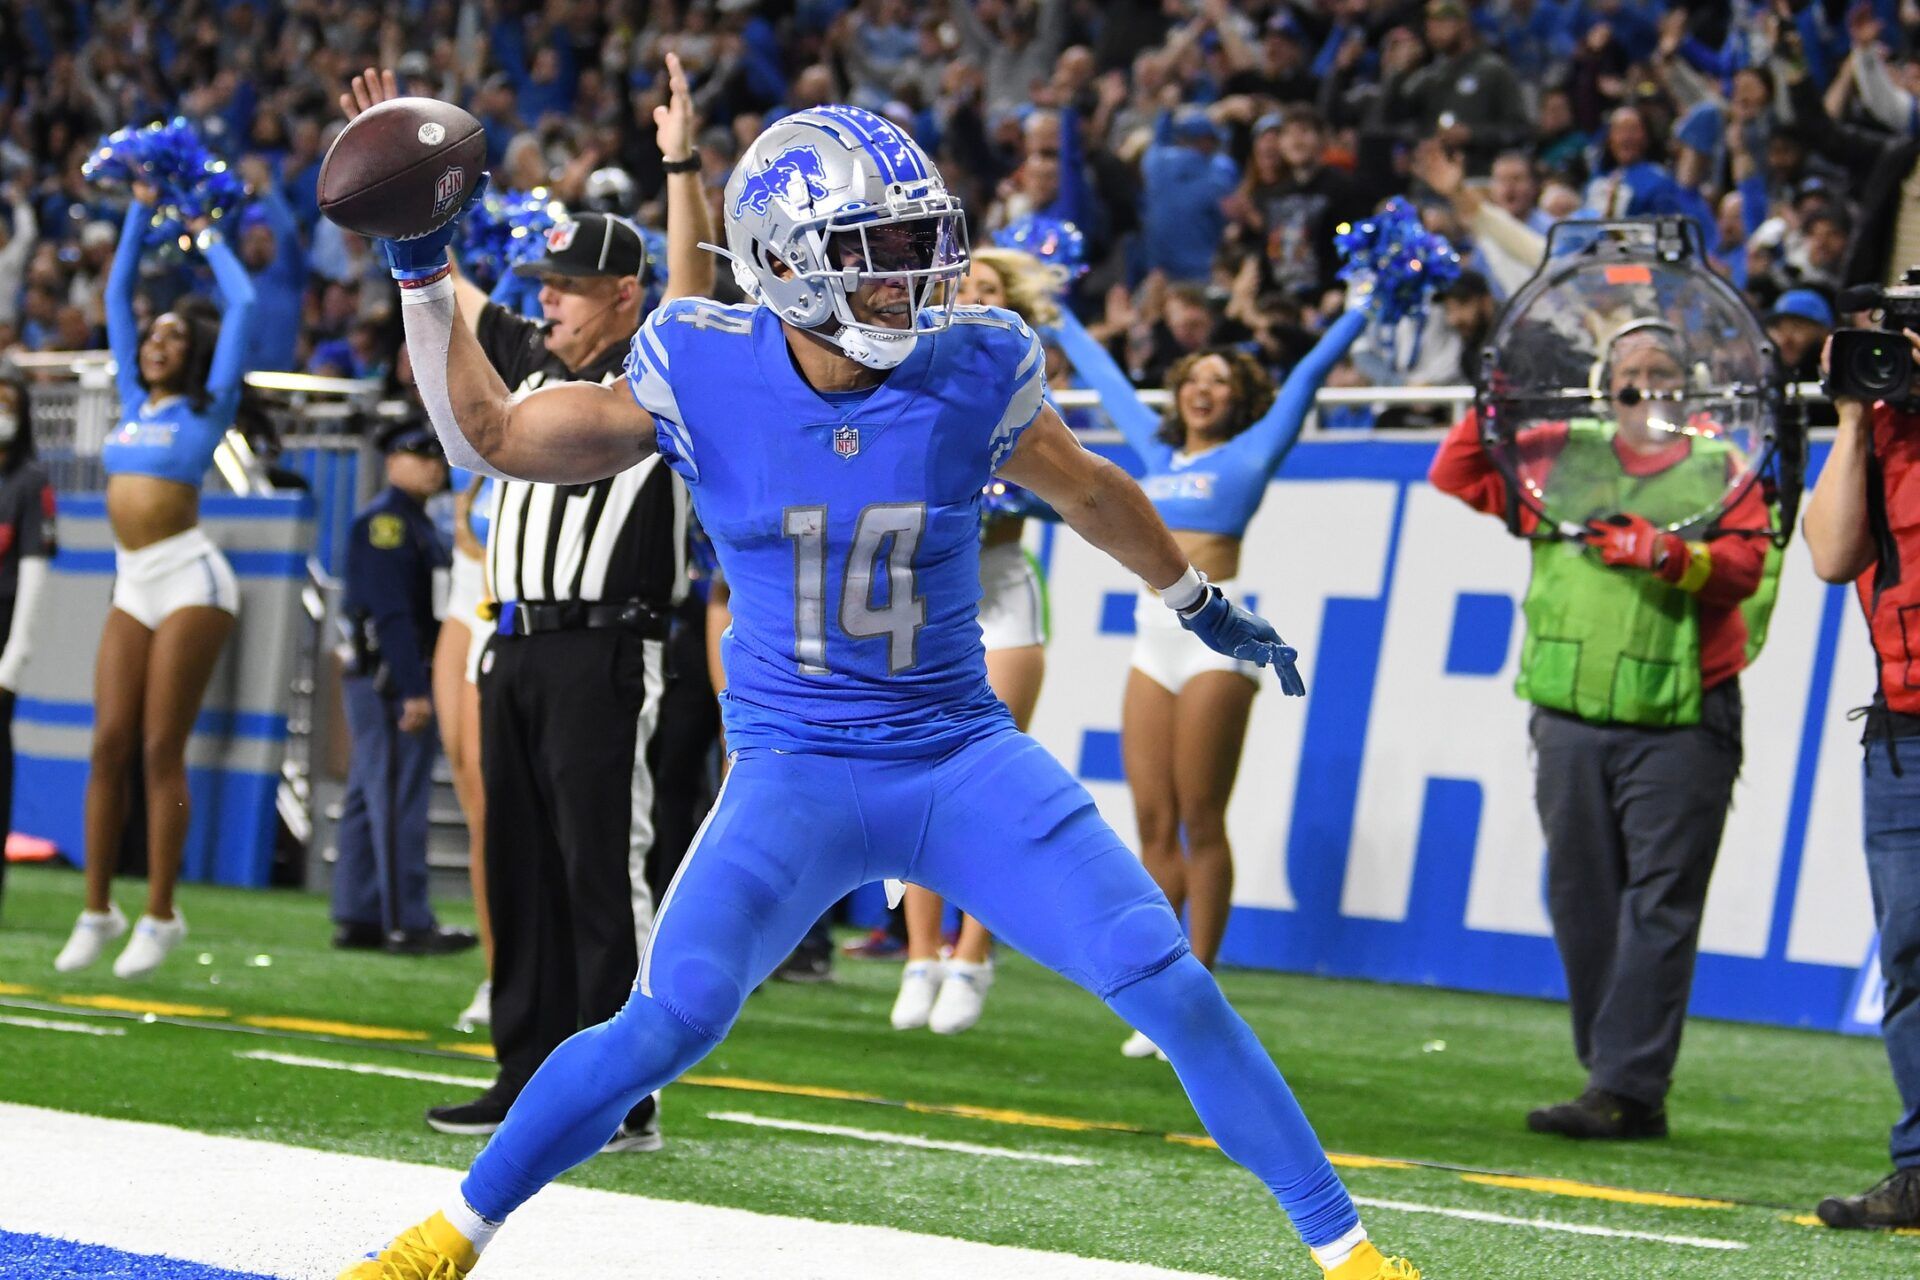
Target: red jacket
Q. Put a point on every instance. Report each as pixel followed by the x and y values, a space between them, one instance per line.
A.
pixel 1463 469
pixel 1890 589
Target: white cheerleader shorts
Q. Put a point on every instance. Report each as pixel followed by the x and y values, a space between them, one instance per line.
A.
pixel 466 592
pixel 1170 655
pixel 181 572
pixel 1013 601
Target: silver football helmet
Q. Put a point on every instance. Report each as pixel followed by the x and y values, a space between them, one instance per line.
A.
pixel 834 198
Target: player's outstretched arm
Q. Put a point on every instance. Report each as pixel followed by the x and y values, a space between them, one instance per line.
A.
pixel 567 433
pixel 1098 500
pixel 1102 504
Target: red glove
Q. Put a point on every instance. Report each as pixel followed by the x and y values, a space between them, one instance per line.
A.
pixel 1631 542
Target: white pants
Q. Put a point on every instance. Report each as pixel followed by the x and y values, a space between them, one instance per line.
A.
pixel 466 591
pixel 181 572
pixel 1013 603
pixel 1169 654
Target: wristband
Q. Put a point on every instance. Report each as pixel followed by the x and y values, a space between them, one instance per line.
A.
pixel 1189 589
pixel 690 165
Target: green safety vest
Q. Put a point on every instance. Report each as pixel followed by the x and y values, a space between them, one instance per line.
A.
pixel 1617 647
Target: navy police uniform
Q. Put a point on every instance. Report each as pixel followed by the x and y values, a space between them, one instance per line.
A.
pixel 380 880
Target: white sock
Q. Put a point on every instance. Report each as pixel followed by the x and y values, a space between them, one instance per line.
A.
pixel 1332 1255
pixel 479 1231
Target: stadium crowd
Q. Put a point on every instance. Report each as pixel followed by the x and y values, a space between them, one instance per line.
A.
pixel 1205 149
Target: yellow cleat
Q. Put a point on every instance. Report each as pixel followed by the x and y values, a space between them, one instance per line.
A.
pixel 434 1250
pixel 1367 1263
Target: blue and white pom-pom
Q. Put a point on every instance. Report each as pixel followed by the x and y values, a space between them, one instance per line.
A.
pixel 504 229
pixel 192 181
pixel 1395 261
pixel 1054 241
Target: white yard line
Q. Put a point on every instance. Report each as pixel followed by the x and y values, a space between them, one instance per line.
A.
pixel 361 1068
pixel 302 1215
pixel 72 1028
pixel 895 1139
pixel 1547 1224
pixel 906 1140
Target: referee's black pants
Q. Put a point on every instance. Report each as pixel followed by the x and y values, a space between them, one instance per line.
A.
pixel 565 720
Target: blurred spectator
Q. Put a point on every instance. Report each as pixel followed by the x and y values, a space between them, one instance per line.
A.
pixel 1186 177
pixel 1015 41
pixel 1466 95
pixel 1468 307
pixel 18 233
pixel 1290 202
pixel 1799 323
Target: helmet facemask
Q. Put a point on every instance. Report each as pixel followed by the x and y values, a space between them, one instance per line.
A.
pixel 921 250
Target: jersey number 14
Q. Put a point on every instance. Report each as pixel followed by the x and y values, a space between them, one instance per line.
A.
pixel 886 530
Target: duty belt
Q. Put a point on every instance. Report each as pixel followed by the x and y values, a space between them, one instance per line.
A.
pixel 519 618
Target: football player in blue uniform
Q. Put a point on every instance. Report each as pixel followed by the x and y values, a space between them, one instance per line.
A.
pixel 836 434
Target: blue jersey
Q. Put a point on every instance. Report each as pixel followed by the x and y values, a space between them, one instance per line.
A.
pixel 170 438
pixel 847 528
pixel 1216 490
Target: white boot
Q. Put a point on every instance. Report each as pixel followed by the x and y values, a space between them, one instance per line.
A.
pixel 1138 1046
pixel 480 1012
pixel 152 940
pixel 963 994
pixel 919 985
pixel 90 936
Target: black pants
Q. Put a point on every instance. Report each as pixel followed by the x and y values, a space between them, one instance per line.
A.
pixel 683 755
pixel 565 721
pixel 6 747
pixel 1633 819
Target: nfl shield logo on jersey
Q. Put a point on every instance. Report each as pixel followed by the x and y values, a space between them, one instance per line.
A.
pixel 846 441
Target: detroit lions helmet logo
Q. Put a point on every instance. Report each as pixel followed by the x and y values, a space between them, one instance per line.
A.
pixel 795 177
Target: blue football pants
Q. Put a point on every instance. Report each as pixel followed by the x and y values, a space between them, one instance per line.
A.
pixel 996 826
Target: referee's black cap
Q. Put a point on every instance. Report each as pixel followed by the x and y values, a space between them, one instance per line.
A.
pixel 590 244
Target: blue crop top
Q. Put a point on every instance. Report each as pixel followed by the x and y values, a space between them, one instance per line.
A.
pixel 170 438
pixel 1219 489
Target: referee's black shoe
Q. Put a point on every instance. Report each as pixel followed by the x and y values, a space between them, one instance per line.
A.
pixel 1603 1115
pixel 640 1131
pixel 435 940
pixel 1892 1202
pixel 480 1116
pixel 349 936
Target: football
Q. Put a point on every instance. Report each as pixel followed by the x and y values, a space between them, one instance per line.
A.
pixel 402 168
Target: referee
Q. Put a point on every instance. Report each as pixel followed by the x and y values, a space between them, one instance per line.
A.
pixel 585 578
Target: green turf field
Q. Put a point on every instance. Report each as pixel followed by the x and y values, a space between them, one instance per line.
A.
pixel 1766 1118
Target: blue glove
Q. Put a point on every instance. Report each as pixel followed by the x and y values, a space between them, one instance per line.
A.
pixel 420 256
pixel 1227 628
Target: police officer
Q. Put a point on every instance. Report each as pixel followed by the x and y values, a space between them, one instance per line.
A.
pixel 380 881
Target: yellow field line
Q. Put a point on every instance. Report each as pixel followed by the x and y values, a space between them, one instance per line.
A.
pixel 122 1004
pixel 322 1027
pixel 990 1115
pixel 1592 1191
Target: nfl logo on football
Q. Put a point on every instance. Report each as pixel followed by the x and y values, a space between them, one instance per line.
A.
pixel 447 190
pixel 846 441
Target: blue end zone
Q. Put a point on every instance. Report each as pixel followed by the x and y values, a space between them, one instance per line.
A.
pixel 46 1258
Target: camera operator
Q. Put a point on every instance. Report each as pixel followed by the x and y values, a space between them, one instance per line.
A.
pixel 1863 525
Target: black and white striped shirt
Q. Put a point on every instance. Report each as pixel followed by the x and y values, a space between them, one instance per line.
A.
pixel 623 538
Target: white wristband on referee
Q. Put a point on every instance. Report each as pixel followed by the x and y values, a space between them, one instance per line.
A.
pixel 1186 590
